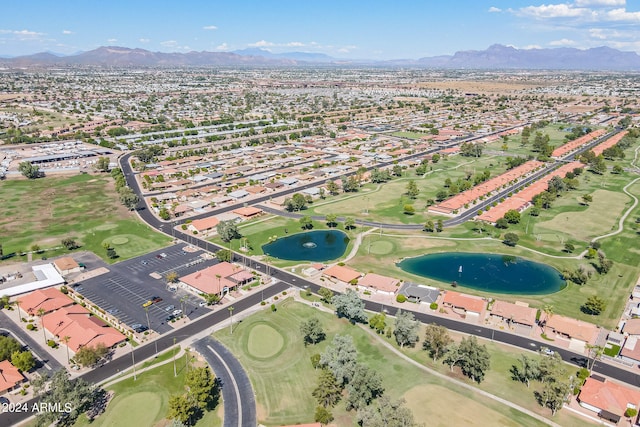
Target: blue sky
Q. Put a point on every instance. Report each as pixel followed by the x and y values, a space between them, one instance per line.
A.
pixel 373 29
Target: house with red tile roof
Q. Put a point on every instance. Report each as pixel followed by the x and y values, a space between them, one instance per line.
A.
pixel 631 350
pixel 632 326
pixel 204 225
pixel 577 143
pixel 608 399
pixel 10 376
pixel 342 273
pixel 514 313
pixel 66 265
pixel 379 283
pixel 217 279
pixel 467 304
pixel 248 212
pixel 583 332
pixel 49 299
pixel 82 328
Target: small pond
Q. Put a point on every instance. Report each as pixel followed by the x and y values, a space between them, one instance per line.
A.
pixel 494 273
pixel 320 245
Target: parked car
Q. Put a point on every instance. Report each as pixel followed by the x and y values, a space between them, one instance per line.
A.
pixel 177 312
pixel 156 299
pixel 147 304
pixel 170 308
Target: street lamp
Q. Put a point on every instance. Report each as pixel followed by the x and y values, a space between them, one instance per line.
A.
pixel 133 361
pixel 175 373
pixel 231 317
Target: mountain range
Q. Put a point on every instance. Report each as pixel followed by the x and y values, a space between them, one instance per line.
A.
pixel 494 57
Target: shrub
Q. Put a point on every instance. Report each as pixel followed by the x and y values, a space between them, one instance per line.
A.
pixel 401 298
pixel 64 290
pixel 263 303
pixel 276 297
pixel 51 343
pixel 273 308
pixel 433 306
pixel 284 292
pixel 30 327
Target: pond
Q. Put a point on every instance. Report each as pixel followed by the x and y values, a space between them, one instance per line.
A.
pixel 320 245
pixel 494 273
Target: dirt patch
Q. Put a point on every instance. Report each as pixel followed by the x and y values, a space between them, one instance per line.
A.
pixel 483 86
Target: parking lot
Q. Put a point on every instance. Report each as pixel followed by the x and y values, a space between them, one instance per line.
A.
pixel 129 285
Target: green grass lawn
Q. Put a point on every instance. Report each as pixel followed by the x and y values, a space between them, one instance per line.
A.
pixel 144 402
pixel 410 135
pixel 283 381
pixel 84 207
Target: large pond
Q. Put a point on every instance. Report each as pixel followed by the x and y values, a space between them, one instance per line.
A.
pixel 487 272
pixel 321 245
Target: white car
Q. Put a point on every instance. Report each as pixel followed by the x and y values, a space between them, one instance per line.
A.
pixel 177 312
pixel 203 304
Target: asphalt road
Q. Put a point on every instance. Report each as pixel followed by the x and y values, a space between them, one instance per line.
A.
pixel 237 393
pixel 122 364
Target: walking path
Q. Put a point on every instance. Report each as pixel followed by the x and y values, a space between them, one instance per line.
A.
pixel 436 373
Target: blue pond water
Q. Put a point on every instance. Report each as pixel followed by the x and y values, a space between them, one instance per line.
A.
pixel 487 272
pixel 321 245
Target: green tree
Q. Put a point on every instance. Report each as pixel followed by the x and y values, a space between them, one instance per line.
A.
pixel 350 306
pixel 323 415
pixel 553 396
pixel 23 360
pixel 502 223
pixel 364 386
pixel 406 329
pixel 111 253
pixel 435 158
pixel 315 360
pixel 594 305
pixel 436 340
pixel 340 358
pixel 312 332
pixel 306 223
pixel 212 299
pixel 8 346
pixel 604 264
pixel 29 171
pixel 439 226
pixel 69 243
pixel 384 412
pixel 79 394
pixel 511 239
pixel 201 385
pixel 349 223
pixel 223 255
pixel 89 356
pixel 228 230
pixel 326 294
pixel 130 199
pixel 181 408
pixel 472 358
pixel 333 188
pixel 512 216
pixel 587 198
pixel 568 247
pixel 378 322
pixel 397 170
pixel 429 226
pixel 331 220
pixel 527 370
pixel 470 149
pixel 102 164
pixel 164 214
pixel 412 189
pixel 328 391
pixel 409 209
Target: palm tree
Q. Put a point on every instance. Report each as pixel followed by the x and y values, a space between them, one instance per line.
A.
pixel 595 351
pixel 65 340
pixel 40 313
pixel 146 310
pixel 17 304
pixel 548 311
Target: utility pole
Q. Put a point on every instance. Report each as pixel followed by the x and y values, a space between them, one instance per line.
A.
pixel 231 317
pixel 133 361
pixel 175 373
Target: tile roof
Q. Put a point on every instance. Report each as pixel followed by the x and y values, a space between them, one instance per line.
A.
pixel 48 299
pixel 576 143
pixel 205 223
pixel 467 302
pixel 9 376
pixel 609 396
pixel 214 279
pixel 377 281
pixel 81 327
pixel 573 328
pixel 342 273
pixel 517 313
pixel 65 263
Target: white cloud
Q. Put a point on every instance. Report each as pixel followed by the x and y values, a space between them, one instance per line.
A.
pixel 623 15
pixel 600 3
pixel 67 32
pixel 210 27
pixel 143 40
pixel 222 46
pixel 562 42
pixel 112 40
pixel 494 9
pixel 261 43
pixel 554 11
pixel 531 46
pixel 295 44
pixel 169 43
